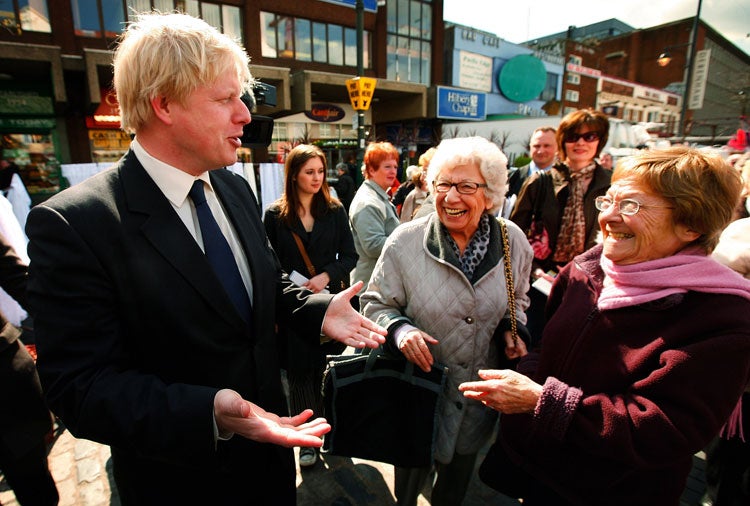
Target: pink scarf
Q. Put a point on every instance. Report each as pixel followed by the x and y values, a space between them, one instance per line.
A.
pixel 688 270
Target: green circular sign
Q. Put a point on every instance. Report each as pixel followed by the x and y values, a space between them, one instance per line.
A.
pixel 523 78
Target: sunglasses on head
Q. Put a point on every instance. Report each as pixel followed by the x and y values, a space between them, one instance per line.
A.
pixel 588 137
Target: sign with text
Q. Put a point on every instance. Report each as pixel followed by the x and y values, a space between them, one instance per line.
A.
pixel 453 103
pixel 474 71
pixel 580 69
pixel 361 91
pixel 22 103
pixel 325 113
pixel 369 5
pixel 698 82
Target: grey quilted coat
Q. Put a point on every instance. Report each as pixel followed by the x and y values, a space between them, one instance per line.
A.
pixel 417 280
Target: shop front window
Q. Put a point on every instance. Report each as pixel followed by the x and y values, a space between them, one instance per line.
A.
pixel 34 154
pixel 108 145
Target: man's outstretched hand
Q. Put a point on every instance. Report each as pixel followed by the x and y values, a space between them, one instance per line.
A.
pixel 235 415
pixel 344 324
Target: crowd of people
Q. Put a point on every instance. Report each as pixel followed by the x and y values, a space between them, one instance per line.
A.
pixel 166 305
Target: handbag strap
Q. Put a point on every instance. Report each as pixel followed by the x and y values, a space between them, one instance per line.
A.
pixel 303 252
pixel 509 281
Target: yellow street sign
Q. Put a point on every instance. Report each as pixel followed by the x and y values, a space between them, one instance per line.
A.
pixel 361 91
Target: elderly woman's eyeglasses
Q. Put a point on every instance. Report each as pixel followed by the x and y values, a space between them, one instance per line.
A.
pixel 628 207
pixel 588 137
pixel 464 187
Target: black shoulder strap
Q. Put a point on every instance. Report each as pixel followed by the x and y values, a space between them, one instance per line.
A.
pixel 544 181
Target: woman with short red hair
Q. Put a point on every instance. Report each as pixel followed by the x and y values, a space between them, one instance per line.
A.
pixel 371 215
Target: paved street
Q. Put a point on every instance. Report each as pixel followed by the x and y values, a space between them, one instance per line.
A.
pixel 83 472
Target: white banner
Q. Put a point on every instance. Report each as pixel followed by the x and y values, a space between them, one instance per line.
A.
pixel 700 76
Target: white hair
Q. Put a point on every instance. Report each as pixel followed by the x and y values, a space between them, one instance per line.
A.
pixel 492 163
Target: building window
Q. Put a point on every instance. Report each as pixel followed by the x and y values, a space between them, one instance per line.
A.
pixel 106 18
pixel 571 95
pixel 335 45
pixel 18 16
pixel 550 88
pixel 303 40
pixel 408 40
pixel 280 131
pixel 320 45
pixel 575 60
pixel 573 78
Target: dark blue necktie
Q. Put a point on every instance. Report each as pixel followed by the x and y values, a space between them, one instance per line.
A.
pixel 219 253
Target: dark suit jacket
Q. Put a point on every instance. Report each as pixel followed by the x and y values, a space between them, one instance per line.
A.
pixel 136 335
pixel 345 189
pixel 517 178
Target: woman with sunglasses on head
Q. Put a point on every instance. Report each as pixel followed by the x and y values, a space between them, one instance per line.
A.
pixel 562 199
pixel 646 352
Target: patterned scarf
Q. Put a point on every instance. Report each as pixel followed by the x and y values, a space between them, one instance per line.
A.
pixel 571 240
pixel 475 250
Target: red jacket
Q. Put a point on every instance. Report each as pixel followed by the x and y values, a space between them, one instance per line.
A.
pixel 629 394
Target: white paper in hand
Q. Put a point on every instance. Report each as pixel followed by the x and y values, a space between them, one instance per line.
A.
pixel 299 280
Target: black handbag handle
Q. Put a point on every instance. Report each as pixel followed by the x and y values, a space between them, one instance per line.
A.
pixel 372 357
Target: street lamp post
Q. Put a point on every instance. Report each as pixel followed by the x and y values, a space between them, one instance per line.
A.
pixel 360 8
pixel 690 65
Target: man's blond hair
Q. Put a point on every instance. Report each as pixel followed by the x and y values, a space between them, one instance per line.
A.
pixel 170 55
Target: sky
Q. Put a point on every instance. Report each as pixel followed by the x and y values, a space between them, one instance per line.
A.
pixel 521 20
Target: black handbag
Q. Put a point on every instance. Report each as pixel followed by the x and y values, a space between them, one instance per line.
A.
pixel 381 407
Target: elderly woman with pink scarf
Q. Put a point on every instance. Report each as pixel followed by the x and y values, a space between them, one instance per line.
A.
pixel 646 350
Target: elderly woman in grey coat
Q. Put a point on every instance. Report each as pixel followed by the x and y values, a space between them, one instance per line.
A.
pixel 439 287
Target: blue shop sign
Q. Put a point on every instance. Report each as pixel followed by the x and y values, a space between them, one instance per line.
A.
pixel 454 103
pixel 369 5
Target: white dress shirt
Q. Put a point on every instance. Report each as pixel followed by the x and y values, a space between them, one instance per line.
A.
pixel 175 185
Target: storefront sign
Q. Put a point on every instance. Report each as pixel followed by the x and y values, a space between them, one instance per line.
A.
pixel 453 103
pixel 580 69
pixel 27 124
pixel 522 78
pixel 326 113
pixel 474 71
pixel 25 103
pixel 107 114
pixel 485 38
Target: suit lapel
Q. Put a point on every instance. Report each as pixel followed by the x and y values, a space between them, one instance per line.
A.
pixel 165 231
